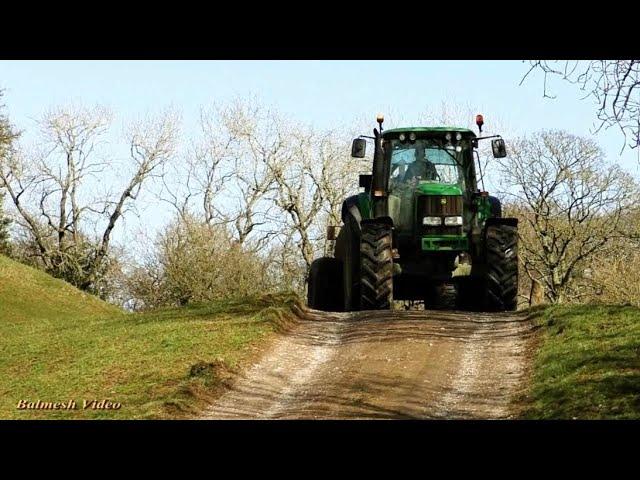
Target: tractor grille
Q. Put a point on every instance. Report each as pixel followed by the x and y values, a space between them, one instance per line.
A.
pixel 434 206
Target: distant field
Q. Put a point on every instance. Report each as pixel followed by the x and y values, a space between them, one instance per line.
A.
pixel 588 364
pixel 58 344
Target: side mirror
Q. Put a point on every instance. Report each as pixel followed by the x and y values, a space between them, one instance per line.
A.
pixel 499 148
pixel 358 148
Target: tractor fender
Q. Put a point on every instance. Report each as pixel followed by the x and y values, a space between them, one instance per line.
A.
pixel 495 206
pixel 351 207
pixel 347 250
pixel 349 236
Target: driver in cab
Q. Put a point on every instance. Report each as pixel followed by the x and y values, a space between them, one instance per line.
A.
pixel 421 169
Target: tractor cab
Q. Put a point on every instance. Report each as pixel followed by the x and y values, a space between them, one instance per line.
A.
pixel 430 170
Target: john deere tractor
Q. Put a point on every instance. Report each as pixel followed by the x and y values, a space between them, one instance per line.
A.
pixel 421 221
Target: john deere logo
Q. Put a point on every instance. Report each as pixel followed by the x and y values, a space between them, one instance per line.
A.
pixel 443 201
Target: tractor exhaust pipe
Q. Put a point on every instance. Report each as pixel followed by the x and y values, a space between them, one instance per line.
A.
pixel 378 181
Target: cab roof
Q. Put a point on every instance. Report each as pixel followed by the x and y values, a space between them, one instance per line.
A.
pixel 428 130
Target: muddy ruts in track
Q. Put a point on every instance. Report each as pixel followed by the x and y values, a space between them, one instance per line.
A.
pixel 386 364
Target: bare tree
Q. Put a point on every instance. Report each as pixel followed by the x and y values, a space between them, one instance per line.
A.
pixel 44 186
pixel 8 135
pixel 613 84
pixel 54 194
pixel 340 172
pixel 7 138
pixel 226 178
pixel 339 179
pixel 570 202
pixel 299 193
pixel 313 177
pixel 268 178
pixel 284 263
pixel 274 183
pixel 152 142
pixel 260 141
pixel 203 174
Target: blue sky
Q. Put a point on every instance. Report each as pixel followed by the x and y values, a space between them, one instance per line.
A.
pixel 324 93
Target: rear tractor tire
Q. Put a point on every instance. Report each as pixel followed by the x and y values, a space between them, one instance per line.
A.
pixel 376 267
pixel 324 291
pixel 501 283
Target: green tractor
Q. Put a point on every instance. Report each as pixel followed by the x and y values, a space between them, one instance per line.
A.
pixel 421 222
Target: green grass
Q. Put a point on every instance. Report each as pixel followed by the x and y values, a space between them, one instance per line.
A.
pixel 588 364
pixel 57 344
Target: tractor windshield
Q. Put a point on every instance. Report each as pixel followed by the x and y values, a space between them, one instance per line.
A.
pixel 425 161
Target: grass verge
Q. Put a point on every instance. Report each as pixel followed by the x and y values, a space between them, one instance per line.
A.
pixel 59 344
pixel 587 365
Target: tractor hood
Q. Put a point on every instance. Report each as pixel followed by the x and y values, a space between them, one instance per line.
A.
pixel 408 205
pixel 430 188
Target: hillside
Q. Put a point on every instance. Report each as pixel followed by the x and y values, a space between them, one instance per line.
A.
pixel 60 344
pixel 27 294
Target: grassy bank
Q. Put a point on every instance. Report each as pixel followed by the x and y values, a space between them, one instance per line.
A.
pixel 588 364
pixel 58 344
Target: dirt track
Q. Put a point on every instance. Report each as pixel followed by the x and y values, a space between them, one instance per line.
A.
pixel 399 364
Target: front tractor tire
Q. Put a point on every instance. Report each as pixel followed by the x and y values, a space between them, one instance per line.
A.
pixel 376 267
pixel 501 282
pixel 324 290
